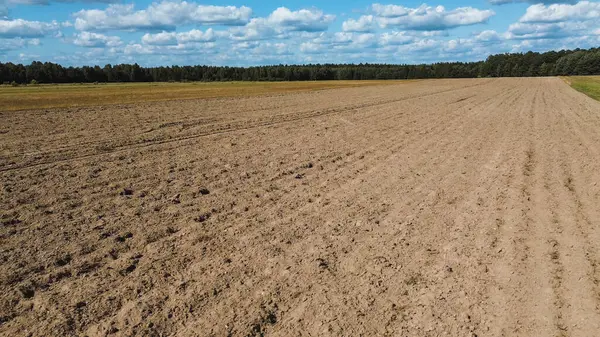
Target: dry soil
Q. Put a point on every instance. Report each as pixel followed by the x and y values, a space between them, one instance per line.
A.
pixel 448 207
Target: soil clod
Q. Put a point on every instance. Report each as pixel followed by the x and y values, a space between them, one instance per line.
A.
pixel 126 191
pixel 28 291
pixel 202 217
pixel 63 261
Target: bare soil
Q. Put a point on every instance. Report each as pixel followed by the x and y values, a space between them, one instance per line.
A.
pixel 447 207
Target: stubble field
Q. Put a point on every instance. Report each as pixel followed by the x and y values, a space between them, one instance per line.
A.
pixel 427 208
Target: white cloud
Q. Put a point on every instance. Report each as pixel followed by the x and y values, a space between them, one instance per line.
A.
pixel 396 38
pixel 282 23
pixel 165 15
pixel 256 29
pixel 407 37
pixel 458 45
pixel 28 57
pixel 389 11
pixel 94 40
pixel 24 28
pixel 163 38
pixel 488 36
pixel 138 49
pixel 17 43
pixel 196 35
pixel 552 30
pixel 503 2
pixel 171 50
pixel 363 24
pixel 451 50
pixel 581 11
pixel 172 38
pixel 261 49
pixel 339 42
pixel 306 20
pixel 422 45
pixel 534 31
pixel 558 21
pixel 311 48
pixel 556 44
pixel 272 49
pixel 428 18
pixel 345 38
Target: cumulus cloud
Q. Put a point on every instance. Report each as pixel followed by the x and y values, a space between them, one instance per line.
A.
pixel 5 5
pixel 456 48
pixel 26 58
pixel 363 24
pixel 262 49
pixel 422 45
pixel 170 50
pixel 556 44
pixel 281 22
pixel 428 18
pixel 458 45
pixel 17 43
pixel 581 11
pixel 165 15
pixel 138 49
pixel 557 21
pixel 311 48
pixel 256 29
pixel 172 38
pixel 95 40
pixel 345 38
pixel 24 28
pixel 503 2
pixel 553 30
pixel 389 11
pixel 488 36
pixel 396 38
pixel 407 37
pixel 339 42
pixel 161 39
pixel 520 30
pixel 306 20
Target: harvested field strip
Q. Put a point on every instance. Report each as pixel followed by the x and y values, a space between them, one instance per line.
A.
pixel 76 95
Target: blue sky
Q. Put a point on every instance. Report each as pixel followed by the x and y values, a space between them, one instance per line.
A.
pixel 218 32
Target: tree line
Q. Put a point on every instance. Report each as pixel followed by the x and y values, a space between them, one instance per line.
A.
pixel 552 63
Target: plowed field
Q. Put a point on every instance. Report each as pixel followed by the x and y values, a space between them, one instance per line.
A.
pixel 428 208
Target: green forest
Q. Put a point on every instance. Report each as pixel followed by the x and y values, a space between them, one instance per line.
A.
pixel 552 63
